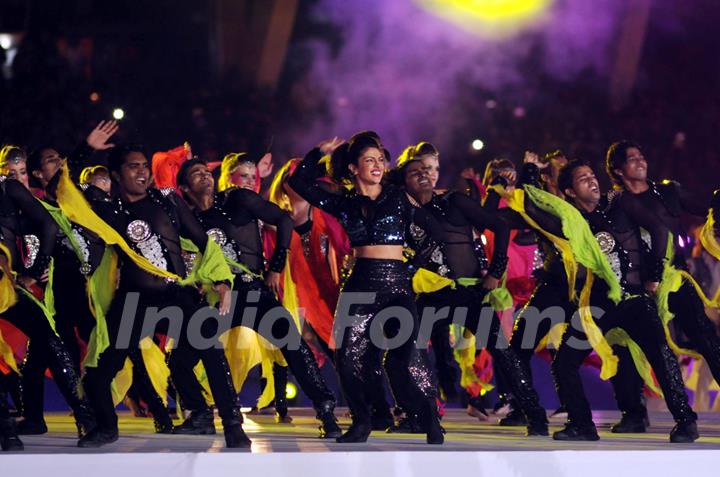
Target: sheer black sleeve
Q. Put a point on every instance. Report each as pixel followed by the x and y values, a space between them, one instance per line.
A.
pixel 41 219
pixel 492 201
pixel 304 182
pixel 270 214
pixel 482 219
pixel 529 175
pixel 79 159
pixel 659 233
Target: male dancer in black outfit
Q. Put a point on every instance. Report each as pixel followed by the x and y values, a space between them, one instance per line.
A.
pixel 656 207
pixel 152 222
pixel 619 239
pixel 231 218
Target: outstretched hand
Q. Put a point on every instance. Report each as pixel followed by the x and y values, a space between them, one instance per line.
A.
pixel 534 158
pixel 98 137
pixel 328 146
pixel 265 165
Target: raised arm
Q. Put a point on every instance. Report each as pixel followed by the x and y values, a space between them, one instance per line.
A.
pixel 270 214
pixel 482 219
pixel 304 181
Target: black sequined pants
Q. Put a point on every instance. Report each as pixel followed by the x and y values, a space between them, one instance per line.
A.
pixel 691 320
pixel 376 319
pixel 638 317
pixel 181 303
pixel 71 311
pixel 29 319
pixel 465 307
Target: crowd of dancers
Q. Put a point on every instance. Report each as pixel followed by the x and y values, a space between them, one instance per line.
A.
pixel 105 269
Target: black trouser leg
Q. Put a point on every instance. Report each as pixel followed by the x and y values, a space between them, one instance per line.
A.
pixel 98 380
pixel 283 333
pixel 280 381
pixel 447 369
pixel 690 317
pixel 33 380
pixel 358 363
pixel 547 306
pixel 566 373
pixel 145 389
pixel 628 385
pixel 27 317
pixel 645 328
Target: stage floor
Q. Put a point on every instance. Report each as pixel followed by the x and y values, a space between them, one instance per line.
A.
pixel 464 433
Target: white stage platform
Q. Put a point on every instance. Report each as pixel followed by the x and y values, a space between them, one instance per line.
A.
pixel 472 447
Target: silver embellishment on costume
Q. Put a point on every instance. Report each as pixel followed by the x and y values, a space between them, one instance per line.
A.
pixel 614 259
pixel 246 277
pixel 645 236
pixel 189 260
pixel 538 261
pixel 438 257
pixel 220 238
pixel 324 244
pixel 81 243
pixel 32 244
pixel 606 242
pixel 166 191
pixel 149 245
pixel 218 235
pixel 138 231
pixel 417 232
pixel 305 242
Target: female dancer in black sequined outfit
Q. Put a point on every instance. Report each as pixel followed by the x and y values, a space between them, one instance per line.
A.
pixel 376 218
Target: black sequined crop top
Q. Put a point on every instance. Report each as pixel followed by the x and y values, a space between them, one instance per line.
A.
pixel 383 221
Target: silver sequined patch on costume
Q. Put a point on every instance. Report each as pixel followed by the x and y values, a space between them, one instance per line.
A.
pixel 149 245
pixel 189 261
pixel 606 242
pixel 645 236
pixel 438 258
pixel 32 243
pixel 614 259
pixel 220 238
pixel 81 243
pixel 417 232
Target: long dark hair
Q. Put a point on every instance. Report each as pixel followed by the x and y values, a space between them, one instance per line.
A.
pixel 349 153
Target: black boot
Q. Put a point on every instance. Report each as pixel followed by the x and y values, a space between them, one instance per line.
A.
pixel 280 378
pixel 433 430
pixel 630 424
pixel 235 437
pixel 329 428
pixel 98 437
pixel 67 380
pixel 9 440
pixel 163 425
pixel 684 432
pixel 356 433
pixel 200 422
pixel 573 432
pixel 381 417
pixel 537 423
pixel 409 424
pixel 30 427
pixel 513 418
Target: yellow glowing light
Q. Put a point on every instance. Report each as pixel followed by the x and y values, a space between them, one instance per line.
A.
pixel 483 15
pixel 291 391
